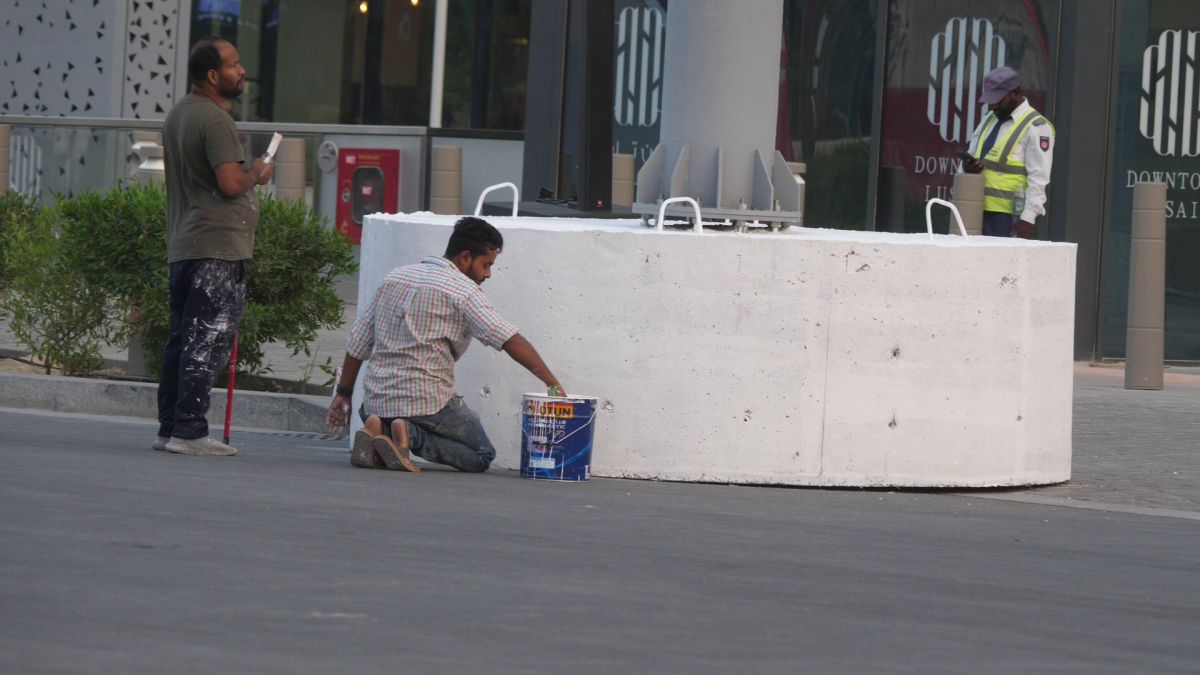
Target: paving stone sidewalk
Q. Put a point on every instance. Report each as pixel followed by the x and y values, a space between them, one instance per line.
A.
pixel 1132 447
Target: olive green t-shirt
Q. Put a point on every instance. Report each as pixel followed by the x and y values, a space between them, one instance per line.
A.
pixel 201 221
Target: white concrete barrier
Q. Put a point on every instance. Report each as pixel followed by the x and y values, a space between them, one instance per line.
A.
pixel 815 357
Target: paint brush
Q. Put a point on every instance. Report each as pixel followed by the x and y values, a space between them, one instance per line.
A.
pixel 269 155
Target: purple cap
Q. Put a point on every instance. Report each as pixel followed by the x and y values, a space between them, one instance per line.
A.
pixel 998 83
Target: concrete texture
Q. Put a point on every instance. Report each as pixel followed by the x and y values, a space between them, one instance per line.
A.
pixel 837 358
pixel 116 558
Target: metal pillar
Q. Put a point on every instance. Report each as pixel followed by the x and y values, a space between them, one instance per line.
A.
pixel 438 76
pixel 720 102
pixel 968 199
pixel 445 180
pixel 1147 288
pixel 721 89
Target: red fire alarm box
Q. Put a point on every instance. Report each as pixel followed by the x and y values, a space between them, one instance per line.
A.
pixel 368 182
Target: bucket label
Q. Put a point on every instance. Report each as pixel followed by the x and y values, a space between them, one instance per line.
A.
pixel 547 430
pixel 541 462
pixel 551 409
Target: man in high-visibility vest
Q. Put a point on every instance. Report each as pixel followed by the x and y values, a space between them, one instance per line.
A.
pixel 1013 148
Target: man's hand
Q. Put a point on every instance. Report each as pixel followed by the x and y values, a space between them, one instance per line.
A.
pixel 1024 229
pixel 338 417
pixel 264 170
pixel 972 165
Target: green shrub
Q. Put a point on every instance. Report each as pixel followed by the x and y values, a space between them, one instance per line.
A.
pixel 51 307
pixel 289 293
pixel 14 208
pixel 125 254
pixel 113 252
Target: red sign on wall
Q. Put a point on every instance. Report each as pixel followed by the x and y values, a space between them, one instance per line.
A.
pixel 368 182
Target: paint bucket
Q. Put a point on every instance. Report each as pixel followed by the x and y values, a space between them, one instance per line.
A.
pixel 556 437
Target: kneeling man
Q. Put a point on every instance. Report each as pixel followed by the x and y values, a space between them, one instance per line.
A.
pixel 420 321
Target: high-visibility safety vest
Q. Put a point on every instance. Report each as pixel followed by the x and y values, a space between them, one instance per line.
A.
pixel 1004 179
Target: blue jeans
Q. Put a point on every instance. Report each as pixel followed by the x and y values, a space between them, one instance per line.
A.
pixel 996 224
pixel 206 305
pixel 453 436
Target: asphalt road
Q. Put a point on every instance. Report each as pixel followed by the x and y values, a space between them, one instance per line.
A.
pixel 116 558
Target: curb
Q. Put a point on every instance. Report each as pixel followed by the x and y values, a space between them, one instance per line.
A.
pixel 254 409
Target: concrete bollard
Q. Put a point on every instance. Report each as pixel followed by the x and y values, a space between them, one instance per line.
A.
pixel 445 180
pixel 967 196
pixel 151 165
pixel 5 158
pixel 138 363
pixel 622 179
pixel 1147 288
pixel 893 184
pixel 290 169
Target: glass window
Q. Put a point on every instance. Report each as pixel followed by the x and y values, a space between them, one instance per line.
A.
pixel 825 105
pixel 639 49
pixel 1156 138
pixel 487 54
pixel 324 61
pixel 937 54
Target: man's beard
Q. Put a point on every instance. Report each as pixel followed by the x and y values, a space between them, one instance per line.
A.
pixel 234 90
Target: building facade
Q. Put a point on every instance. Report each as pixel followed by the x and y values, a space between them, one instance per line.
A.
pixel 875 97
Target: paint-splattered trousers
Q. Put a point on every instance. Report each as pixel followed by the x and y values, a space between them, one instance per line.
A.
pixel 453 436
pixel 206 305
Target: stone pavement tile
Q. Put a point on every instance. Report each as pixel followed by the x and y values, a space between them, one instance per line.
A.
pixel 1133 448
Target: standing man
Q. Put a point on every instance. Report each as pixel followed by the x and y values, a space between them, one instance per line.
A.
pixel 420 321
pixel 212 213
pixel 1014 148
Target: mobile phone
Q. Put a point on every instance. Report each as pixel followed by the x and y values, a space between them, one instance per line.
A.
pixel 966 155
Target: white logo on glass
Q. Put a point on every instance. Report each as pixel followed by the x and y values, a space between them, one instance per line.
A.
pixel 959 57
pixel 637 86
pixel 1170 116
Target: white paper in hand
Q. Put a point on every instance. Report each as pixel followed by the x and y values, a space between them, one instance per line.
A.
pixel 270 153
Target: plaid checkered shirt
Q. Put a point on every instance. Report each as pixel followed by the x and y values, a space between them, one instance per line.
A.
pixel 420 321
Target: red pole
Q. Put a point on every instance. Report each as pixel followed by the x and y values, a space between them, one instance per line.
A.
pixel 229 387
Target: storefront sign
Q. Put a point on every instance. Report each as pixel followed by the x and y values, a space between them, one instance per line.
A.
pixel 1169 121
pixel 640 43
